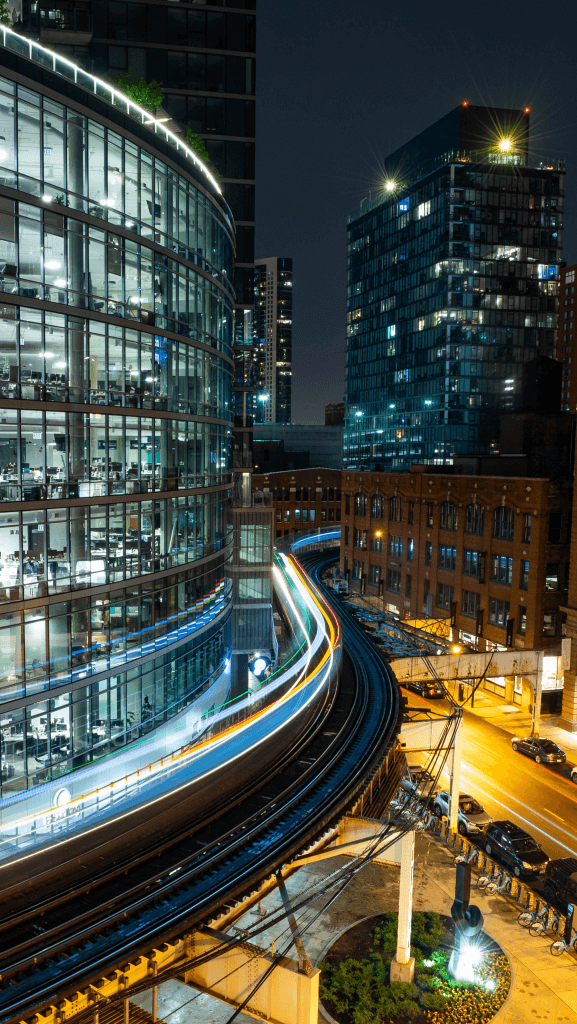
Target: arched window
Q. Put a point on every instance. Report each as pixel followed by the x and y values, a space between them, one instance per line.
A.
pixel 395 510
pixel 376 507
pixel 360 504
pixel 503 523
pixel 305 494
pixel 474 519
pixel 448 515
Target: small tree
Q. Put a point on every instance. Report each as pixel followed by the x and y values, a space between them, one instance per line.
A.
pixel 5 16
pixel 147 94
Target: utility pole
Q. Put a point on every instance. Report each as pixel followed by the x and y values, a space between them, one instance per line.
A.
pixel 456 776
pixel 536 724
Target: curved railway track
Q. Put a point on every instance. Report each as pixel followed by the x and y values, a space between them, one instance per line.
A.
pixel 65 939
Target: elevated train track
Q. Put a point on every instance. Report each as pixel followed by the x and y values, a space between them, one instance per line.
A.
pixel 73 912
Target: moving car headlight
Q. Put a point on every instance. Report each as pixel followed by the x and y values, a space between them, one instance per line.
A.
pixel 527 866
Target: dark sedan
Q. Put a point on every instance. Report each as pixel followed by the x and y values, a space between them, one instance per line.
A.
pixel 433 691
pixel 541 750
pixel 515 848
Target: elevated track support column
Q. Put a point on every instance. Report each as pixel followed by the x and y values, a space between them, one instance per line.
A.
pixel 403 965
pixel 286 995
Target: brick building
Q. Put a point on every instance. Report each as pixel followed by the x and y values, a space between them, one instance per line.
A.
pixel 567 337
pixel 302 499
pixel 488 553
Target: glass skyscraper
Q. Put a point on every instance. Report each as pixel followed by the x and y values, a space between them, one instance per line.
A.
pixel 273 296
pixel 116 308
pixel 452 286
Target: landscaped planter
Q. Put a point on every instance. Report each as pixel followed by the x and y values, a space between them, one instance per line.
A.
pixel 355 987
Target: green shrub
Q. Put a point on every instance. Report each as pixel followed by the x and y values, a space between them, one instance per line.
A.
pixel 146 94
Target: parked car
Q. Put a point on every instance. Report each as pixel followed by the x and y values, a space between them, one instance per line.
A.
pixel 431 690
pixel 472 817
pixel 515 848
pixel 418 781
pixel 540 749
pixel 561 881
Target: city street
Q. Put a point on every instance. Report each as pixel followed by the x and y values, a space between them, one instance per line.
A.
pixel 541 799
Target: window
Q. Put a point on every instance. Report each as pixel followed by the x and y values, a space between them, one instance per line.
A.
pixel 297 515
pixel 408 585
pixel 360 505
pixel 503 523
pixel 447 557
pixel 555 527
pixel 569 277
pixel 338 514
pixel 287 515
pixel 470 603
pixel 298 494
pixel 278 515
pixel 358 568
pixel 374 574
pixel 444 595
pixel 498 612
pixel 395 510
pixel 305 515
pixel 331 494
pixel 471 563
pixel 410 546
pixel 347 504
pixel 474 519
pixel 376 545
pixel 448 516
pixel 552 576
pixel 376 507
pixel 313 514
pixel 411 511
pixel 347 542
pixel 501 569
pixel 305 494
pixel 429 514
pixel 428 553
pixel 394 580
pixel 550 622
pixel 395 546
pixel 526 528
pixel 524 578
pixel 522 620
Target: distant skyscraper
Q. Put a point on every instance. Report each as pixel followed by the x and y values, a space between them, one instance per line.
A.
pixel 273 339
pixel 567 338
pixel 452 285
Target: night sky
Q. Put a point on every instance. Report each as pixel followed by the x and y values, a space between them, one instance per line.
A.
pixel 342 84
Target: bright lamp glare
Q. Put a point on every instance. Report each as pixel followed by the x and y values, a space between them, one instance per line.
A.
pixel 259 666
pixel 505 145
pixel 469 957
pixel 390 185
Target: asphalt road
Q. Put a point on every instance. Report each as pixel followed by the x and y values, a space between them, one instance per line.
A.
pixel 540 799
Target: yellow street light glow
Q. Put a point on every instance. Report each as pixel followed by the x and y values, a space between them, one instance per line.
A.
pixel 505 145
pixel 390 185
pixel 456 649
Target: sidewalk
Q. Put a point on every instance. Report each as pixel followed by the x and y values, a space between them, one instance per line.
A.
pixel 543 987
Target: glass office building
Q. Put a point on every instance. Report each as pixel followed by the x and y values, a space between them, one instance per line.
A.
pixel 452 287
pixel 273 297
pixel 116 303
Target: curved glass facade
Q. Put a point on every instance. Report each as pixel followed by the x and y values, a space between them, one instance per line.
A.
pixel 115 425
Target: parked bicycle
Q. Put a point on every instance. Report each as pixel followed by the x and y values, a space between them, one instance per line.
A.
pixel 544 920
pixel 560 946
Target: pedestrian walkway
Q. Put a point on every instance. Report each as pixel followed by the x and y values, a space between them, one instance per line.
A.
pixel 543 987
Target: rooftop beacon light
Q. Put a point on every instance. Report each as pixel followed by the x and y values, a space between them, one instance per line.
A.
pixel 505 145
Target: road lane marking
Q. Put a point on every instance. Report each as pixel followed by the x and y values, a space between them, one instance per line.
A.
pixel 530 823
pixel 549 811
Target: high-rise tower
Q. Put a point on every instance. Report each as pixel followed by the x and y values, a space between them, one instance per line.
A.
pixel 273 286
pixel 452 286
